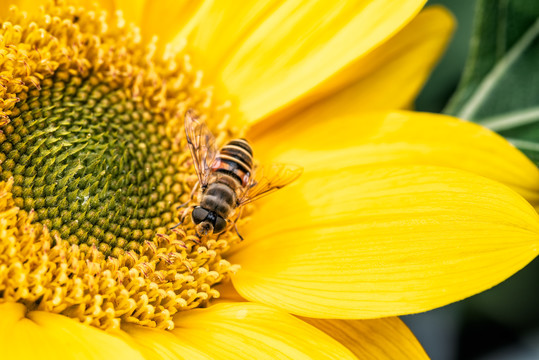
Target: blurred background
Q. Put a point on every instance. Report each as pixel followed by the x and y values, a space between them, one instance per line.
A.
pixel 503 322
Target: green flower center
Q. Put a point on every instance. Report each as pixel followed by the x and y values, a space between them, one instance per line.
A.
pixel 93 164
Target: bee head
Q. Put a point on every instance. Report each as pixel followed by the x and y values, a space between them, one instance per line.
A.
pixel 208 222
pixel 204 228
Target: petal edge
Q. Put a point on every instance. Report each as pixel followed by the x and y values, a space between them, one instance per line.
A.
pixel 382 241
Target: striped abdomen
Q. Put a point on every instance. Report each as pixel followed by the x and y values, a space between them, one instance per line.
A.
pixel 236 160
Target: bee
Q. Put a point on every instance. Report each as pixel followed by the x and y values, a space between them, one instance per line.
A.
pixel 228 178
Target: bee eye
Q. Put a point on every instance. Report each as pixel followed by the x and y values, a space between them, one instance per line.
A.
pixel 220 225
pixel 199 214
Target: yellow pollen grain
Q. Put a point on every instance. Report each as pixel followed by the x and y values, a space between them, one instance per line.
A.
pixel 59 249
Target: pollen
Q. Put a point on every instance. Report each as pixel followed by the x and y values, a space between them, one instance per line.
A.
pixel 93 165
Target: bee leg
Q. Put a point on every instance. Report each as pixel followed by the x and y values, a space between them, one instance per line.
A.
pixel 237 232
pixel 175 226
pixel 190 196
pixel 185 212
pixel 235 223
pixel 182 218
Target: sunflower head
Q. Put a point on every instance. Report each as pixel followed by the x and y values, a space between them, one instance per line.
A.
pixel 93 167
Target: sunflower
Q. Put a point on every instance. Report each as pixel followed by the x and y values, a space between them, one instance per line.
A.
pixel 397 212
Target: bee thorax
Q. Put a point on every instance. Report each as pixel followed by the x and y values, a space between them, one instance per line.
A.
pixel 220 201
pixel 222 190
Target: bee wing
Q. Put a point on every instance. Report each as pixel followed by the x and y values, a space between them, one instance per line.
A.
pixel 269 179
pixel 201 144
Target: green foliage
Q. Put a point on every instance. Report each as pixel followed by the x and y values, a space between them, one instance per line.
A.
pixel 500 85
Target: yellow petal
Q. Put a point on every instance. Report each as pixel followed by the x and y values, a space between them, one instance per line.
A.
pixel 228 293
pixel 255 331
pixel 53 336
pixel 133 10
pixel 269 55
pixel 387 78
pixel 161 344
pixel 10 312
pixel 399 138
pixel 377 339
pixel 370 241
pixel 107 5
pixel 26 5
pixel 15 332
pixel 168 19
pixel 392 75
pixel 23 4
pixel 5 5
pixel 220 27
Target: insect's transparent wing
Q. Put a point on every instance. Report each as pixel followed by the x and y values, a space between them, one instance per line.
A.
pixel 201 143
pixel 269 179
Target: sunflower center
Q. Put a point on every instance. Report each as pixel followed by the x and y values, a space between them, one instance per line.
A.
pixel 93 164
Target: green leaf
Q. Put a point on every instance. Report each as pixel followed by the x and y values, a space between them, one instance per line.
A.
pixel 500 85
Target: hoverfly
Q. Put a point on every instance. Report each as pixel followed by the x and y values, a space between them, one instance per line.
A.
pixel 228 178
